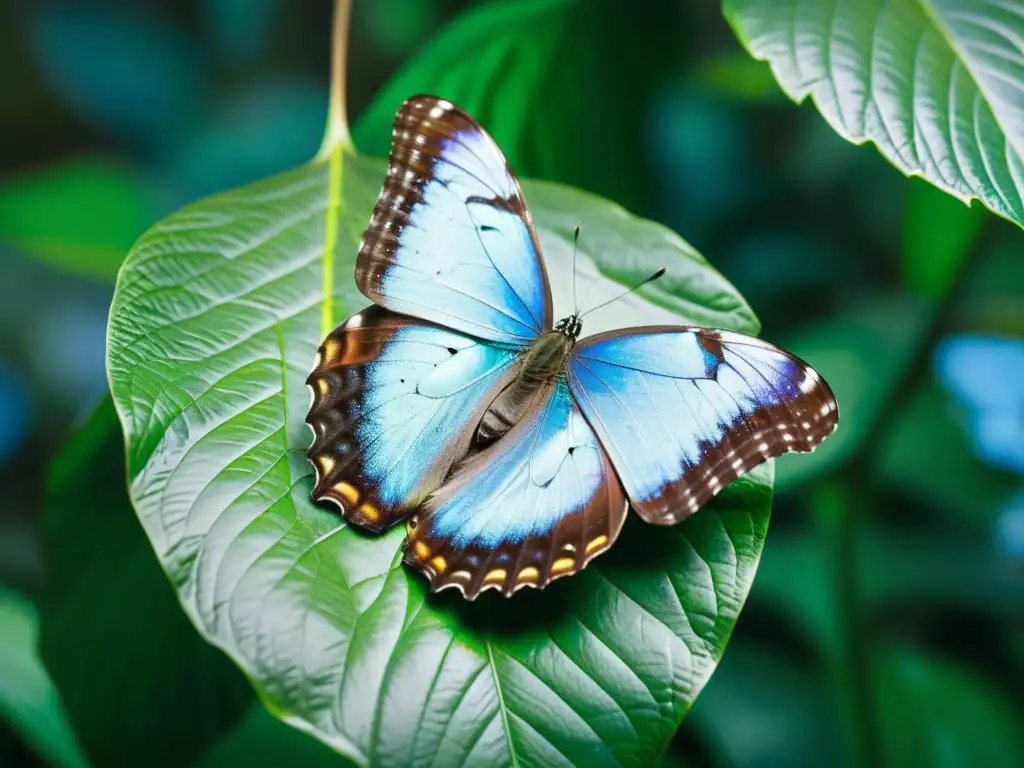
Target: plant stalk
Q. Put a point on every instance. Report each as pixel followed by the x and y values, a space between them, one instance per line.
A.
pixel 337 135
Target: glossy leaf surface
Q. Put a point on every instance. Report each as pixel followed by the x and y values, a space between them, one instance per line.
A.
pixel 937 85
pixel 537 73
pixel 170 698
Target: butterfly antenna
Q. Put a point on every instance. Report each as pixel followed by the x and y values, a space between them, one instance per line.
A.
pixel 642 283
pixel 575 250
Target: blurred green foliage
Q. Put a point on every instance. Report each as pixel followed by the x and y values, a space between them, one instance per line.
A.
pixel 28 700
pixel 41 213
pixel 885 623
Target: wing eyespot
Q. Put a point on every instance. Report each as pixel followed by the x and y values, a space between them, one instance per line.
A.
pixel 596 543
pixel 528 576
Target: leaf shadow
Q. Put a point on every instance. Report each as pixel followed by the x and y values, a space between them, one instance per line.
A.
pixel 642 552
pixel 652 565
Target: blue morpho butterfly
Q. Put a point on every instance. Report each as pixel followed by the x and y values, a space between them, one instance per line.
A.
pixel 508 445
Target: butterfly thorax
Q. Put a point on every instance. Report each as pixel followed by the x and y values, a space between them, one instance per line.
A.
pixel 543 363
pixel 570 326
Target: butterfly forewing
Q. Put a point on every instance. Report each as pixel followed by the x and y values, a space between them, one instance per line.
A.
pixel 395 403
pixel 451 239
pixel 683 412
pixel 538 504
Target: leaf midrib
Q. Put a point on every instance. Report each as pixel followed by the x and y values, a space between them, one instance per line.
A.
pixel 334 192
pixel 501 705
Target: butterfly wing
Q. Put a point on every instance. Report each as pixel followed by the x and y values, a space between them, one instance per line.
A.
pixel 537 504
pixel 684 411
pixel 395 403
pixel 451 239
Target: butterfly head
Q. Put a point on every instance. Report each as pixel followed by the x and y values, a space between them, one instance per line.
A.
pixel 570 326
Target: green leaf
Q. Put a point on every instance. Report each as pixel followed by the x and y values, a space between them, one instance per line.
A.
pixel 938 235
pixel 28 700
pixel 793 585
pixel 80 215
pixel 172 699
pixel 735 74
pixel 139 685
pixel 933 712
pixel 538 75
pixel 935 84
pixel 216 319
pixel 861 352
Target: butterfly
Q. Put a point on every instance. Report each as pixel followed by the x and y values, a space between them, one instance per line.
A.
pixel 510 445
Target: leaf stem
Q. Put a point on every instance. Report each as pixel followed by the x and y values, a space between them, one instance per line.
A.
pixel 336 139
pixel 337 135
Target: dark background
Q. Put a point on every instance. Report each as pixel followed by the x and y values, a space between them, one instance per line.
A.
pixel 887 619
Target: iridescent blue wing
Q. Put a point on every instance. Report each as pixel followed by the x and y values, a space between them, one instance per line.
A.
pixel 395 403
pixel 451 239
pixel 683 412
pixel 537 504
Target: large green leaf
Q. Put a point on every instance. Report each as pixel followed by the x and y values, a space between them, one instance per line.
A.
pixel 540 74
pixel 935 84
pixel 112 630
pixel 216 319
pixel 862 351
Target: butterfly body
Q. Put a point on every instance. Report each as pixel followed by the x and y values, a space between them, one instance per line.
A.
pixel 510 446
pixel 546 357
pixel 543 363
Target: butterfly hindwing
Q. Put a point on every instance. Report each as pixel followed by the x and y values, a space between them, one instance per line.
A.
pixel 537 504
pixel 395 403
pixel 683 412
pixel 451 239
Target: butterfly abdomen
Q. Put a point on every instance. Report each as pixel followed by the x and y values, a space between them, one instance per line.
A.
pixel 543 363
